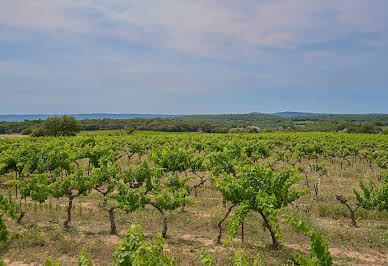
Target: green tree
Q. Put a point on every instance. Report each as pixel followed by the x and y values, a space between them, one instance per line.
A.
pixel 58 126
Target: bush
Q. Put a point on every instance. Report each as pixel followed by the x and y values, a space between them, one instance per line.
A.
pixel 252 129
pixel 130 131
pixel 58 126
pixel 27 131
pixel 319 253
pixel 248 129
pixel 135 250
pixel 361 128
pixel 237 130
pixel 39 132
pixel 84 259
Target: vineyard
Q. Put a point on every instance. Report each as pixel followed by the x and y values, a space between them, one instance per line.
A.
pixel 192 198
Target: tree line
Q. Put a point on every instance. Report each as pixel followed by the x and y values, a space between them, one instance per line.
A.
pixel 208 124
pixel 28 127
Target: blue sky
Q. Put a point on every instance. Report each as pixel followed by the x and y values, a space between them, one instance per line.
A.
pixel 193 57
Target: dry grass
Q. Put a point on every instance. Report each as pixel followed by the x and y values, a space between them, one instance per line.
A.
pixel 14 136
pixel 41 235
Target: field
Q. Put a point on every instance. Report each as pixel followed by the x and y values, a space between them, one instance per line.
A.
pixel 117 133
pixel 12 136
pixel 194 179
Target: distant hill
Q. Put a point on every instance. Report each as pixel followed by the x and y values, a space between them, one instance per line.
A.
pixel 19 118
pixel 274 121
pixel 234 120
pixel 294 114
pixel 286 114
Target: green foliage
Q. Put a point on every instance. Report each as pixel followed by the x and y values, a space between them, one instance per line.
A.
pixel 98 155
pixel 326 123
pixel 37 187
pixel 239 259
pixel 319 168
pixel 5 209
pixel 58 126
pixel 257 150
pixel 71 167
pixel 262 190
pixel 319 253
pixel 106 172
pixel 129 199
pixel 27 131
pixel 248 129
pixel 50 262
pixel 126 250
pixel 84 259
pixel 227 160
pixel 65 184
pixel 71 185
pixel 22 160
pixel 174 160
pixel 135 250
pixel 54 157
pixel 174 193
pixel 373 197
pixel 206 259
pixel 243 259
pixel 39 132
pixel 142 175
pixel 222 123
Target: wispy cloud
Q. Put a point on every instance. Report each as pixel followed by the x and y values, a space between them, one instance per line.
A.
pixel 231 55
pixel 210 28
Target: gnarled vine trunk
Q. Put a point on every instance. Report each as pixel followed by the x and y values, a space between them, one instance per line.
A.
pixel 22 213
pixel 220 223
pixel 111 212
pixel 275 242
pixel 203 181
pixel 242 233
pixel 69 207
pixel 163 213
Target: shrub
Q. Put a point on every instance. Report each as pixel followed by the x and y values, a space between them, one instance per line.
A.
pixel 27 131
pixel 319 253
pixel 134 250
pixel 248 129
pixel 58 126
pixel 39 132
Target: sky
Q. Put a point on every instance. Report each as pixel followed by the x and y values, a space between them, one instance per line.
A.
pixel 193 57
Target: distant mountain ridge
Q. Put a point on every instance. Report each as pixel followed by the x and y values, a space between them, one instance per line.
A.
pixel 19 118
pixel 289 114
